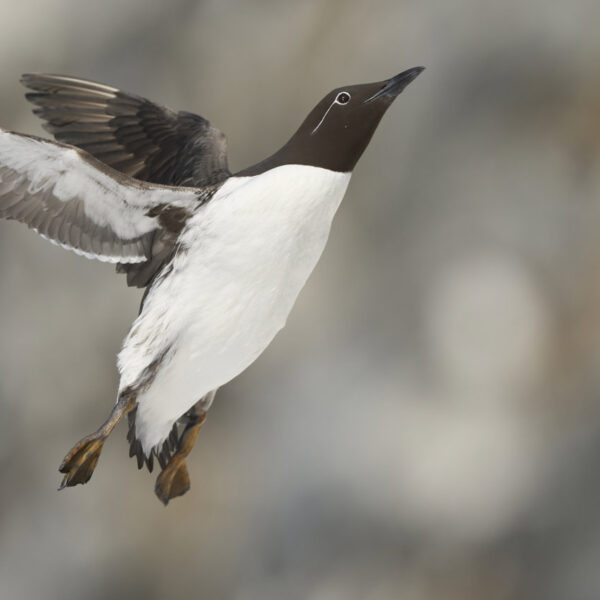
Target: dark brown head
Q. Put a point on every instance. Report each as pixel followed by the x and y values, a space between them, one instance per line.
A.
pixel 337 131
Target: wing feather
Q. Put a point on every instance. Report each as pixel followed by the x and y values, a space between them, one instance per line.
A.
pixel 138 138
pixel 78 203
pixel 129 133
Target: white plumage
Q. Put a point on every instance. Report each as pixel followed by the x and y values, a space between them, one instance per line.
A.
pixel 240 263
pixel 248 253
pixel 63 194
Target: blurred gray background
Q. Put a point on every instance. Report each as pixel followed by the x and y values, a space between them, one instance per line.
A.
pixel 428 424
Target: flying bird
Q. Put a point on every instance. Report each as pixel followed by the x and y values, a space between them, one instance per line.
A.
pixel 222 256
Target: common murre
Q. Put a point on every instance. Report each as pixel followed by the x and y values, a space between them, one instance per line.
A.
pixel 222 257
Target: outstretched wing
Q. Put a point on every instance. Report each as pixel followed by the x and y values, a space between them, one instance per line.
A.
pixel 77 202
pixel 129 133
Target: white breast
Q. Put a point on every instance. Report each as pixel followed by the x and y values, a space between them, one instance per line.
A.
pixel 249 252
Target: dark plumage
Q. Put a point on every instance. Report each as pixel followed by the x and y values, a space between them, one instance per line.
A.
pixel 131 134
pixel 138 138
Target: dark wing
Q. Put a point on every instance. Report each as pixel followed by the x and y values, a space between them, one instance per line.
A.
pixel 131 134
pixel 77 202
pixel 137 137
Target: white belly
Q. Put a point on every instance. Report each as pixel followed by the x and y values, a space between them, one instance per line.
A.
pixel 249 253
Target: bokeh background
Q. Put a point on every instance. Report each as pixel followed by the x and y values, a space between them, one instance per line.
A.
pixel 428 424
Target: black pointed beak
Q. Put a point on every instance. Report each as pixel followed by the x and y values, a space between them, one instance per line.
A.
pixel 394 86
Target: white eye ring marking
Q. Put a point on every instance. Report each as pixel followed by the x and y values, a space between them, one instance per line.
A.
pixel 341 99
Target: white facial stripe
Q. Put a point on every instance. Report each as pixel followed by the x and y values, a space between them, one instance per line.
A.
pixel 323 118
pixel 336 101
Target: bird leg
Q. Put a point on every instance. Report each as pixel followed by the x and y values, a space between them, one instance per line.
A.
pixel 80 462
pixel 174 479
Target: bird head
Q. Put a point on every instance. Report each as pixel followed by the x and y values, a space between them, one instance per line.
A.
pixel 338 129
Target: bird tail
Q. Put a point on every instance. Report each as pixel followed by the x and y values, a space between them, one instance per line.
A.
pixel 162 453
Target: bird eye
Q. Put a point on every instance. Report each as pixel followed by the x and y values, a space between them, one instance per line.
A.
pixel 343 98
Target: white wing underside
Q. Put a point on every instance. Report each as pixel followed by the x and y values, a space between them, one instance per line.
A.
pixel 75 201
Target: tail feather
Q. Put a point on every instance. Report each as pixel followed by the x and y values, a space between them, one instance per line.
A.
pixel 163 454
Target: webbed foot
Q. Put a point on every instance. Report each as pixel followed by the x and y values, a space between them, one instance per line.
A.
pixel 174 479
pixel 80 462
